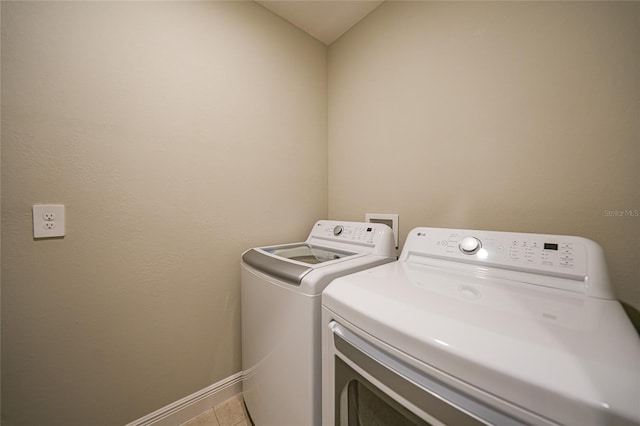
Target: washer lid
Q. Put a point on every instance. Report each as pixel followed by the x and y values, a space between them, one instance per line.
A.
pixel 566 356
pixel 306 253
pixel 291 262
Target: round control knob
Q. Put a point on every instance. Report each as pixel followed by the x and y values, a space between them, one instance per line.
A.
pixel 470 245
pixel 338 230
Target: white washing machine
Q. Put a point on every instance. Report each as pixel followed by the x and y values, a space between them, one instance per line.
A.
pixel 280 297
pixel 477 327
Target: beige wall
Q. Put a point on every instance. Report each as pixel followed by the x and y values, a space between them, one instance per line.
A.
pixel 177 135
pixel 518 116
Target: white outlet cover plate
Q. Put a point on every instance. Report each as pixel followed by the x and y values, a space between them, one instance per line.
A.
pixel 48 220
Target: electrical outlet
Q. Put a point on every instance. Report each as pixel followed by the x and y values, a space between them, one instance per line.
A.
pixel 49 216
pixel 48 220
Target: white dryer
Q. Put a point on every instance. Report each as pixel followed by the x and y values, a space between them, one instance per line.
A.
pixel 280 302
pixel 479 327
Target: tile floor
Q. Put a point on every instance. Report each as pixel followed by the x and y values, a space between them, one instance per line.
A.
pixel 229 413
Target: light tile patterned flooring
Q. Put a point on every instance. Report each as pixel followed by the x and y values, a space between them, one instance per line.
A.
pixel 229 413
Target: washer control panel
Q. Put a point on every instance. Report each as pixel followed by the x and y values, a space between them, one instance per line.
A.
pixel 357 233
pixel 346 232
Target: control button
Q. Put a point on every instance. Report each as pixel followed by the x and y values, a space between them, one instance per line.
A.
pixel 470 245
pixel 338 230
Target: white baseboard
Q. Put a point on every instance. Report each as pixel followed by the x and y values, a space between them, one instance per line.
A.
pixel 190 406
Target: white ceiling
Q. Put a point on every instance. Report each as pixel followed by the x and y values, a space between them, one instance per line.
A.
pixel 325 20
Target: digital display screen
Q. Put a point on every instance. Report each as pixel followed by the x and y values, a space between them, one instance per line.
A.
pixel 550 246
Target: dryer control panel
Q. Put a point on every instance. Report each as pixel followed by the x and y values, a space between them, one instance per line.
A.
pixel 560 261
